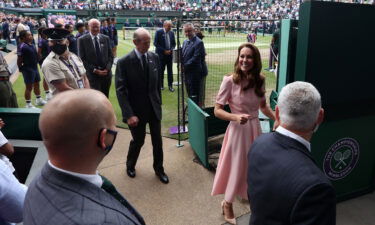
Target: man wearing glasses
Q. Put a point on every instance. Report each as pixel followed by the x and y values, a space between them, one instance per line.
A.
pixel 69 189
pixel 63 70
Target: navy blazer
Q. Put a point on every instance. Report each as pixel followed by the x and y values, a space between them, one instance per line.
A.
pixel 159 41
pixel 193 56
pixel 285 186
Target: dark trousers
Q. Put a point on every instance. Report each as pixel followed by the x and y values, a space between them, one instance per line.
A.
pixel 166 60
pixel 139 134
pixel 193 86
pixel 101 84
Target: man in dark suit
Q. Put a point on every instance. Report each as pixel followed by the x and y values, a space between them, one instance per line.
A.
pixel 193 64
pixel 139 96
pixel 285 186
pixel 96 54
pixel 69 189
pixel 5 29
pixel 164 43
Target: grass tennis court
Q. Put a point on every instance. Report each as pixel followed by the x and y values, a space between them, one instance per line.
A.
pixel 221 54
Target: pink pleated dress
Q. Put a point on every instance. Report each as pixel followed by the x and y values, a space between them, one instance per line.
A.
pixel 231 173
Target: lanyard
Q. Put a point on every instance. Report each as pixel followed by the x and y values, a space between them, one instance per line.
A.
pixel 71 67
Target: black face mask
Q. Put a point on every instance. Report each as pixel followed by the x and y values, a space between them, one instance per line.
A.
pixel 59 48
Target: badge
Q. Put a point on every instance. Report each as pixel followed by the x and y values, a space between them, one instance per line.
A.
pixel 80 84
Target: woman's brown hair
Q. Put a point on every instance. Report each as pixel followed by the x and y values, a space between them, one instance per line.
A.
pixel 254 77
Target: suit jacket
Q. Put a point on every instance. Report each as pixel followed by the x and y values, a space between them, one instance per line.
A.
pixel 86 50
pixel 193 57
pixel 285 186
pixel 58 198
pixel 160 39
pixel 134 93
pixel 5 28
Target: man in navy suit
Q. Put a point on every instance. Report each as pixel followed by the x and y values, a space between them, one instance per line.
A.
pixel 285 186
pixel 165 43
pixel 5 28
pixel 193 64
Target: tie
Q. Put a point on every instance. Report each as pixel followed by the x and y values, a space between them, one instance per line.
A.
pixel 108 187
pixel 167 41
pixel 145 66
pixel 185 47
pixel 98 53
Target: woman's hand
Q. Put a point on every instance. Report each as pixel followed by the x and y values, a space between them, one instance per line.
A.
pixel 242 118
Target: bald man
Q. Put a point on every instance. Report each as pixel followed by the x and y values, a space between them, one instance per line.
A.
pixel 96 53
pixel 69 189
pixel 139 96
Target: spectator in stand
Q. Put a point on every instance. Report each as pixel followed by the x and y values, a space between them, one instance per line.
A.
pixel 27 62
pixel 72 39
pixel 12 191
pixel 126 23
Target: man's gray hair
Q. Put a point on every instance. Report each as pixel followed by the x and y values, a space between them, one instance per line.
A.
pixel 299 105
pixel 93 20
pixel 140 32
pixel 189 25
pixel 167 22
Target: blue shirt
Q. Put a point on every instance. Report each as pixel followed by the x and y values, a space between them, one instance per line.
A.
pixel 29 55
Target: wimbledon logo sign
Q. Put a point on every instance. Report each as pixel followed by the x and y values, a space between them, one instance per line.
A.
pixel 341 158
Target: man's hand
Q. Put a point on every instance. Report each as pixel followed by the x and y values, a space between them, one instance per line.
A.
pixel 167 52
pixel 133 121
pixel 101 72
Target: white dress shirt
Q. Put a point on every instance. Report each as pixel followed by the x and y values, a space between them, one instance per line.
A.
pixel 139 55
pixel 95 179
pixel 93 39
pixel 290 134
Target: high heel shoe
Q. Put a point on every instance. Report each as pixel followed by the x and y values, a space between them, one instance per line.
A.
pixel 227 211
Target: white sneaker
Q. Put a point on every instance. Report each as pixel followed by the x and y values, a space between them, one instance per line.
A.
pixel 48 96
pixel 30 106
pixel 40 102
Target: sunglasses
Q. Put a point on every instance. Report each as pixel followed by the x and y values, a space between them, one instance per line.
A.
pixel 111 132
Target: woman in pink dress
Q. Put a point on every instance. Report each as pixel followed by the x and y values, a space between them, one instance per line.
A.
pixel 244 91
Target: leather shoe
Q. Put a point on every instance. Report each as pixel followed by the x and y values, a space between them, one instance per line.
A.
pixel 171 89
pixel 162 177
pixel 130 172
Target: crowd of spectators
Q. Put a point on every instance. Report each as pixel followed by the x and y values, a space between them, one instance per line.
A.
pixel 220 9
